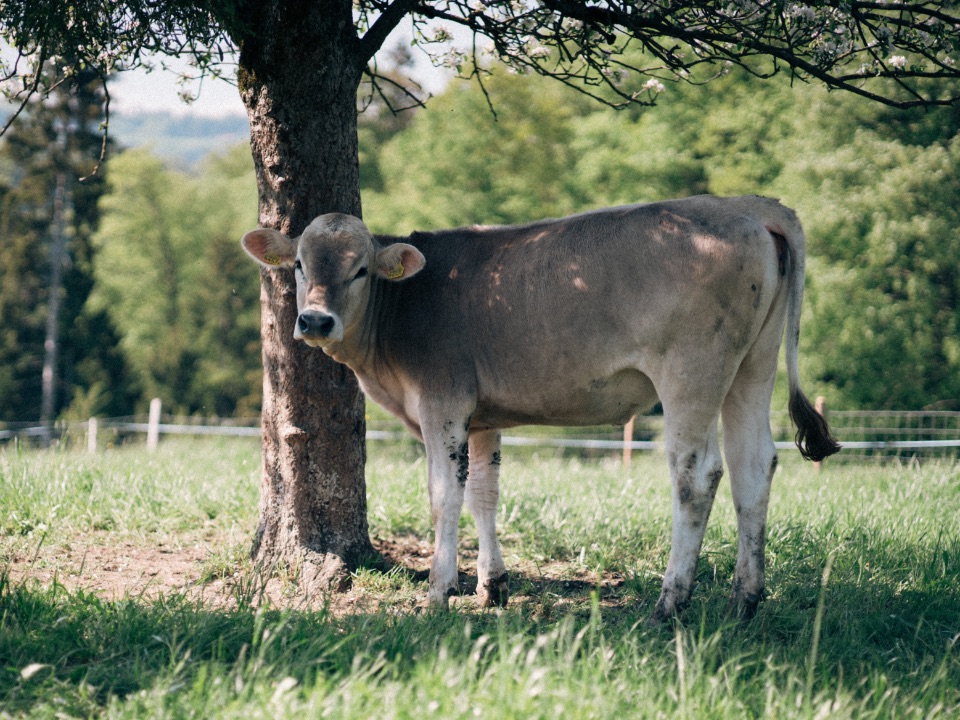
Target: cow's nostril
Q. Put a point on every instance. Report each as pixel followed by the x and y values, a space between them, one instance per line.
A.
pixel 315 324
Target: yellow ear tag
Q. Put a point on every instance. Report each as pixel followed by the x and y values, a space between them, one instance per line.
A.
pixel 395 273
pixel 271 259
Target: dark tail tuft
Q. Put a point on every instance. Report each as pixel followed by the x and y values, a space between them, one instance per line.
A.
pixel 813 433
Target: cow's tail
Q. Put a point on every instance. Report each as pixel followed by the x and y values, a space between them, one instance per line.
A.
pixel 813 434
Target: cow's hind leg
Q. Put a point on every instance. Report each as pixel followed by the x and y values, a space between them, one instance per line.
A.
pixel 482 496
pixel 752 459
pixel 693 452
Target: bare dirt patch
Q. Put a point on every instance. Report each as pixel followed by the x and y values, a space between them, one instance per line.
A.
pixel 113 567
pixel 214 571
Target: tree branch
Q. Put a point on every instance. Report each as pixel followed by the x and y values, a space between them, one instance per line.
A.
pixel 376 78
pixel 37 76
pixel 391 16
pixel 105 135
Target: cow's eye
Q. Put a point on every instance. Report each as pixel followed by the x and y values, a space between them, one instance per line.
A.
pixel 297 265
pixel 362 272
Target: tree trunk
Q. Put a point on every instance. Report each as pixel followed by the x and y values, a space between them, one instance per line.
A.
pixel 51 344
pixel 298 77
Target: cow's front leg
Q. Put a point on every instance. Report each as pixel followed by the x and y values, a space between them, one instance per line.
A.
pixel 695 470
pixel 448 464
pixel 482 495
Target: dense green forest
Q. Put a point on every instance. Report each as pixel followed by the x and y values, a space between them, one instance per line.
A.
pixel 172 276
pixel 42 156
pixel 876 190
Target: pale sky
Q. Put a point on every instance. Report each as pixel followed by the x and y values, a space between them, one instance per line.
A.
pixel 137 91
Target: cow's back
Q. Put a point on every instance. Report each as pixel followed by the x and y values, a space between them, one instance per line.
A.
pixel 573 321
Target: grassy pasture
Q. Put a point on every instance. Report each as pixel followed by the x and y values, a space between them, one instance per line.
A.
pixel 861 621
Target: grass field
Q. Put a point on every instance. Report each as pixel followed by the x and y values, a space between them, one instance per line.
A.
pixel 861 621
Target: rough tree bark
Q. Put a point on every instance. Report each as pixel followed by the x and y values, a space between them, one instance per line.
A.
pixel 298 78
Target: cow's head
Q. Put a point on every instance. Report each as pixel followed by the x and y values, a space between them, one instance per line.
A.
pixel 333 262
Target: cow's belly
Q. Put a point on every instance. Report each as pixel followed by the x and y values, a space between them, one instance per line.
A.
pixel 607 400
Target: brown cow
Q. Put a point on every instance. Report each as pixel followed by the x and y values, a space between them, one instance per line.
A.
pixel 579 321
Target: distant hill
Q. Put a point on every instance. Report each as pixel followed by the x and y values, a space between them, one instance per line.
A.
pixel 181 140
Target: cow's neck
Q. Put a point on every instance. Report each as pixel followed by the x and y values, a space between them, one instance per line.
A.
pixel 361 348
pixel 363 351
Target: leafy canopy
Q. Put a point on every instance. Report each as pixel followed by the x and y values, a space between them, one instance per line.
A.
pixel 618 51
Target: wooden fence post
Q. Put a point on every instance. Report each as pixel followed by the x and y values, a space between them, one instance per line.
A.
pixel 153 426
pixel 92 435
pixel 821 407
pixel 627 442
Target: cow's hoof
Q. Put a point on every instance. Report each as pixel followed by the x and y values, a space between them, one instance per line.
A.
pixel 667 608
pixel 661 613
pixel 440 600
pixel 494 592
pixel 744 607
pixel 658 617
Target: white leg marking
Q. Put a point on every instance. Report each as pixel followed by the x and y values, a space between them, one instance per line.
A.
pixel 447 469
pixel 752 458
pixel 695 471
pixel 482 496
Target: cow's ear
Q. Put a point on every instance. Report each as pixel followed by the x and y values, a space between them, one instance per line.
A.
pixel 399 261
pixel 270 248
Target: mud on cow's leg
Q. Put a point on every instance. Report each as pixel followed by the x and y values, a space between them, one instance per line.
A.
pixel 482 496
pixel 447 470
pixel 695 470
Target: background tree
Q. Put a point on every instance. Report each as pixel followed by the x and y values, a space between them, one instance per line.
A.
pixel 879 198
pixel 459 164
pixel 551 151
pixel 387 105
pixel 300 64
pixel 226 301
pixel 55 140
pixel 174 280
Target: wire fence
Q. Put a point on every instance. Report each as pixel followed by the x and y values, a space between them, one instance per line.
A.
pixel 864 435
pixel 880 434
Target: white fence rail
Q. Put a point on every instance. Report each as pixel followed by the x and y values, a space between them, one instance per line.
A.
pixel 863 435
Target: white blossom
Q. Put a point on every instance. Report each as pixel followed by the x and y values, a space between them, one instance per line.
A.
pixel 897 61
pixel 441 34
pixel 802 12
pixel 654 85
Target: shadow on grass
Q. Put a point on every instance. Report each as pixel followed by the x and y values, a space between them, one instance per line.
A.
pixel 76 653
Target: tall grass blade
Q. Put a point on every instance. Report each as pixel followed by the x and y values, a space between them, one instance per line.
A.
pixel 818 625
